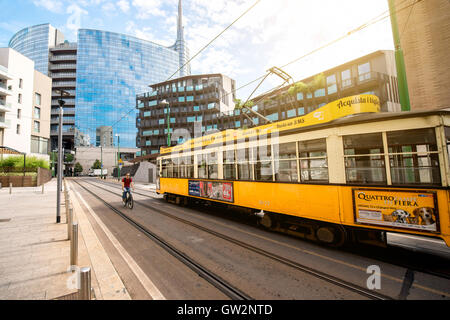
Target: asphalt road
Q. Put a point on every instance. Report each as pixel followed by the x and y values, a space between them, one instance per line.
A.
pixel 258 276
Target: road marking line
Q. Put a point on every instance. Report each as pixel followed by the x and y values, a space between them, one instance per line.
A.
pixel 139 273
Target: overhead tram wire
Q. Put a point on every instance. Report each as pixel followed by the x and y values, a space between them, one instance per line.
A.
pixel 360 28
pixel 363 26
pixel 203 48
pixel 207 45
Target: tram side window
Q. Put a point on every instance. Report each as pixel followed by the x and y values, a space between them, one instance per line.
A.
pixel 202 166
pixel 175 168
pixel 262 159
pixel 186 167
pixel 286 162
pixel 213 167
pixel 229 165
pixel 313 160
pixel 244 167
pixel 364 159
pixel 414 157
pixel 165 168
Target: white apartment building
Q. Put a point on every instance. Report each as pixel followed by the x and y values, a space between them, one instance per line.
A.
pixel 25 102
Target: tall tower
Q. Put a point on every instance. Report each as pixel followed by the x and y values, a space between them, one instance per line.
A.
pixel 180 44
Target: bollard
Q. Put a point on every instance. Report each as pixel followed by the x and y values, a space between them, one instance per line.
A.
pixel 69 218
pixel 74 245
pixel 42 188
pixel 84 293
pixel 0 185
pixel 10 188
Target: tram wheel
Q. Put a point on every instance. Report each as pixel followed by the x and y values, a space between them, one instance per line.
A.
pixel 334 236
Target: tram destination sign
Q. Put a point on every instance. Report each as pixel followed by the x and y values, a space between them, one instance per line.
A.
pixel 222 191
pixel 400 209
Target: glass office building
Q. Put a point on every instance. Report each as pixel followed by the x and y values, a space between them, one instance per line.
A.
pixel 34 42
pixel 111 70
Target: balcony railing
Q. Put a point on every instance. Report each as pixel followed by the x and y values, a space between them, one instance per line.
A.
pixel 4 123
pixel 63 58
pixel 61 84
pixel 5 106
pixel 63 66
pixel 61 75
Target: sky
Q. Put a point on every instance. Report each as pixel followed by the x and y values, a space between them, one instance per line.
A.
pixel 273 33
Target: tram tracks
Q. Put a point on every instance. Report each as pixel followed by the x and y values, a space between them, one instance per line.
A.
pixel 203 272
pixel 290 263
pixel 395 256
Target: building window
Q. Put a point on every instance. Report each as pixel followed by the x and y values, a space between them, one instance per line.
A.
pixel 20 83
pixel 19 98
pixel 301 111
pixel 19 113
pixel 331 83
pixel 299 96
pixel 364 71
pixel 37 113
pixel 18 129
pixel 273 116
pixel 37 98
pixel 37 126
pixel 346 78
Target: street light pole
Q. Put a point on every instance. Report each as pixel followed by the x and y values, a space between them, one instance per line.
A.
pixel 164 102
pixel 60 155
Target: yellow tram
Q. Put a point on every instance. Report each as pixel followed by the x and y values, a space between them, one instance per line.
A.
pixel 345 171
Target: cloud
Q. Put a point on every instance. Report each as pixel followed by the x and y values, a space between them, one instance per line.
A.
pixel 50 5
pixel 124 5
pixel 148 8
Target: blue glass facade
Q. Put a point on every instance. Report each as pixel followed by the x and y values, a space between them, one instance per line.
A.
pixel 111 70
pixel 34 42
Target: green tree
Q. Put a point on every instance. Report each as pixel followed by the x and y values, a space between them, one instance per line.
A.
pixel 239 104
pixel 97 164
pixel 78 168
pixel 69 157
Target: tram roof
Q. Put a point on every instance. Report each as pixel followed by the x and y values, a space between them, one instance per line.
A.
pixel 348 120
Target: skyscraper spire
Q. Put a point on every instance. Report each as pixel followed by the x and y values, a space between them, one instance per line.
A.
pixel 180 35
pixel 180 45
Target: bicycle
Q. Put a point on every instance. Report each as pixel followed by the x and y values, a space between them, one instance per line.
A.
pixel 128 201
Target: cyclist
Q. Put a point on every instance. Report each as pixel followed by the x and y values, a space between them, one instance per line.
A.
pixel 127 182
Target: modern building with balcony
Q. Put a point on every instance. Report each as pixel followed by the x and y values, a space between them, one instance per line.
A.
pixel 196 100
pixel 186 107
pixel 103 72
pixel 24 105
pixel 63 71
pixel 374 73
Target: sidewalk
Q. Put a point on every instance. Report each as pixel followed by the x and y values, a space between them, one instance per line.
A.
pixel 35 251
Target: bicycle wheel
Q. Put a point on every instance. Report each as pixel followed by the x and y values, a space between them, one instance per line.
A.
pixel 130 202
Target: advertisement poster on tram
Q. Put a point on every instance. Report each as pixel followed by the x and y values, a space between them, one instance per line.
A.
pixel 222 191
pixel 400 209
